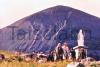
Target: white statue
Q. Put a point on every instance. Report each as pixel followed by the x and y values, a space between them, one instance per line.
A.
pixel 80 41
pixel 80 38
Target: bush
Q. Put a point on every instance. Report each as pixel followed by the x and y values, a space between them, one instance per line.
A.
pixel 19 59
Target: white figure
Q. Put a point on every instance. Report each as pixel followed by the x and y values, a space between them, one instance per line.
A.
pixel 80 38
pixel 80 43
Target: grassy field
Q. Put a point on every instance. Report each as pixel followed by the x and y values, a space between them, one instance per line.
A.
pixel 15 63
pixel 32 64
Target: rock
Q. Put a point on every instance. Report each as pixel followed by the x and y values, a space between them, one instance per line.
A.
pixel 76 64
pixel 41 61
pixel 27 59
pixel 90 59
pixel 2 57
pixel 80 65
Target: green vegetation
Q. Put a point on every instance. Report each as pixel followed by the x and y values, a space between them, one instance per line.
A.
pixel 12 61
pixel 32 64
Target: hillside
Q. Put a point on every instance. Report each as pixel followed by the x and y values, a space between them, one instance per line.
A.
pixel 43 30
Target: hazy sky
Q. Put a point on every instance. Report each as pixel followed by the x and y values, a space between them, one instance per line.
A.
pixel 13 10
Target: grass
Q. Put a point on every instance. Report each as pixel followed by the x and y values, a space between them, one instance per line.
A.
pixel 32 64
pixel 16 63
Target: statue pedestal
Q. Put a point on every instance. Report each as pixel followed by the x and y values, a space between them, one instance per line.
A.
pixel 79 49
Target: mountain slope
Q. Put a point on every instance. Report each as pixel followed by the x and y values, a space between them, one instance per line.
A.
pixel 43 30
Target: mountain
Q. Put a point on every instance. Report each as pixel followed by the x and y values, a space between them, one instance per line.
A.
pixel 43 30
